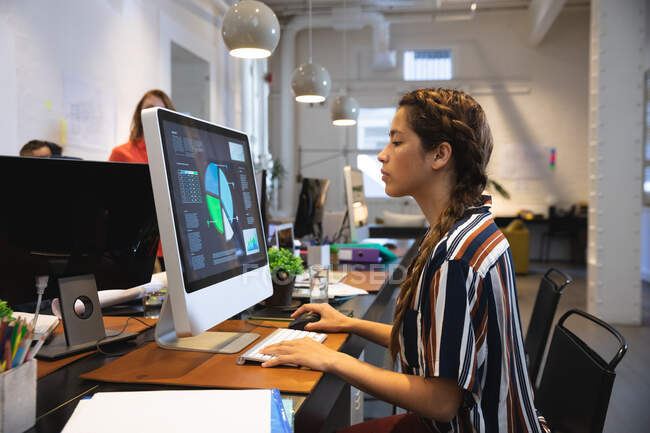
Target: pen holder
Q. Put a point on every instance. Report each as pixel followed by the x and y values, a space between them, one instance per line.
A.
pixel 18 398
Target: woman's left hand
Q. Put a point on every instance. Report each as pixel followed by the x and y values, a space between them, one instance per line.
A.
pixel 303 352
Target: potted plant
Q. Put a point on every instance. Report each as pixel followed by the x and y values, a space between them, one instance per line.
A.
pixel 284 267
pixel 334 255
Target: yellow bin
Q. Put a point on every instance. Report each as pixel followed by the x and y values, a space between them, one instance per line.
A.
pixel 518 237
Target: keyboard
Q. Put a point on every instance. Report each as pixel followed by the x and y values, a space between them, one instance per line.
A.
pixel 280 334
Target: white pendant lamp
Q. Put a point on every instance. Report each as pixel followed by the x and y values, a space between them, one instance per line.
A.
pixel 250 30
pixel 310 82
pixel 345 109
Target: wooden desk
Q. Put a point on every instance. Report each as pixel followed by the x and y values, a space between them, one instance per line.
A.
pixel 326 408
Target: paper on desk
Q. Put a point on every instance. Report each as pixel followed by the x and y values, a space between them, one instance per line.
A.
pixel 173 411
pixel 333 290
pixel 110 297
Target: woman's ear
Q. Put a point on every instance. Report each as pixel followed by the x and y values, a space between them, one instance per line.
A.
pixel 441 156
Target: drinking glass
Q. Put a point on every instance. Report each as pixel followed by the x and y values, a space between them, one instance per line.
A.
pixel 318 279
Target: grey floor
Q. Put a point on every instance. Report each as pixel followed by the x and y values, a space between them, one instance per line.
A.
pixel 629 408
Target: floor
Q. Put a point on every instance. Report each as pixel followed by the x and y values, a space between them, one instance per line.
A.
pixel 629 405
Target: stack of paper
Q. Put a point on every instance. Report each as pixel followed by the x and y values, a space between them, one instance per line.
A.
pixel 177 411
pixel 45 323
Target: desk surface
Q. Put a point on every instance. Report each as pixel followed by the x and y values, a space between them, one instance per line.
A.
pixel 59 392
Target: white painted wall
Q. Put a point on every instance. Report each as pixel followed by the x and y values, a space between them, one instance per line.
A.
pixel 534 97
pixel 120 45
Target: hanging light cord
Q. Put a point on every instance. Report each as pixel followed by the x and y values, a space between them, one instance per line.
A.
pixel 310 32
pixel 345 46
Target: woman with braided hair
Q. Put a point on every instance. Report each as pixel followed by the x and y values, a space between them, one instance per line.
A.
pixel 456 329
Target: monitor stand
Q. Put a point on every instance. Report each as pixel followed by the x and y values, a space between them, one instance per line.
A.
pixel 214 342
pixel 82 332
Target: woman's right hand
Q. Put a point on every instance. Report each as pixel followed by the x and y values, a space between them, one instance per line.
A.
pixel 330 319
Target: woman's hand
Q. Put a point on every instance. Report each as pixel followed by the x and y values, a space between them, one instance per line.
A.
pixel 303 352
pixel 330 319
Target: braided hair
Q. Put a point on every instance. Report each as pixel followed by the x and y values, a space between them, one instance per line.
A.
pixel 438 116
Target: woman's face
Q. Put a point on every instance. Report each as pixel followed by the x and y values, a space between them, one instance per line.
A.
pixel 405 167
pixel 152 101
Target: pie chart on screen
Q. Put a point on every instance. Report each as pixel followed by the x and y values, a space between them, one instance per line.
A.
pixel 219 199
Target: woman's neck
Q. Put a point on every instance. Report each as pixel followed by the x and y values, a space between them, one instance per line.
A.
pixel 434 199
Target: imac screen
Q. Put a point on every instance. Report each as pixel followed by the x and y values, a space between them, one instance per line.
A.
pixel 212 190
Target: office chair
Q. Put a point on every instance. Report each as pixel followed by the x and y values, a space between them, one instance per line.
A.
pixel 550 288
pixel 577 382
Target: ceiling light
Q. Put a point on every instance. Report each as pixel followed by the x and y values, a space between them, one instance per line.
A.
pixel 472 7
pixel 310 82
pixel 345 111
pixel 250 30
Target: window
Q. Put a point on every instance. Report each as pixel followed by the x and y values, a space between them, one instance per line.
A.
pixel 424 65
pixel 372 136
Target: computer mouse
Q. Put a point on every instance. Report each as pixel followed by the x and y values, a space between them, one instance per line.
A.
pixel 300 322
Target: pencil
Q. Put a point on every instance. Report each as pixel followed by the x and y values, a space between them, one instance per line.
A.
pixel 8 354
pixel 21 354
pixel 19 331
pixel 3 328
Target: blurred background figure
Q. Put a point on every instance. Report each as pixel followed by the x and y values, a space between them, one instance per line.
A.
pixel 135 149
pixel 41 148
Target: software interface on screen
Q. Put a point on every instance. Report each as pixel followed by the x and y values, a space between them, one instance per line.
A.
pixel 212 189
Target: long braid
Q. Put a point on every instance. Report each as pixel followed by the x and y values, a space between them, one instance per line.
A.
pixel 437 116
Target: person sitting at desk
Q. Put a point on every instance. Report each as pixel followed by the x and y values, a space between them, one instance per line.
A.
pixel 40 148
pixel 456 327
pixel 135 149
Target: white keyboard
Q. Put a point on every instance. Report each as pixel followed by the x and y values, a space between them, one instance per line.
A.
pixel 280 334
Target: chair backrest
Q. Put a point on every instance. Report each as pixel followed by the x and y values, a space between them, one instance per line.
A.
pixel 550 288
pixel 576 384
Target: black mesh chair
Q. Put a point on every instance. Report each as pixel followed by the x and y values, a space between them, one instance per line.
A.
pixel 576 384
pixel 550 288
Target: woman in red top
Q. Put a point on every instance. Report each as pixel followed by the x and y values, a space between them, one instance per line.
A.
pixel 135 150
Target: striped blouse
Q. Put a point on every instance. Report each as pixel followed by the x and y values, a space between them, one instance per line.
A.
pixel 463 324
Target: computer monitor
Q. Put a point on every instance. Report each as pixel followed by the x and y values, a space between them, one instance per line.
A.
pixel 311 206
pixel 355 199
pixel 66 218
pixel 284 236
pixel 211 230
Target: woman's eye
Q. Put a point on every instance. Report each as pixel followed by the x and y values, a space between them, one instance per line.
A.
pixel 396 143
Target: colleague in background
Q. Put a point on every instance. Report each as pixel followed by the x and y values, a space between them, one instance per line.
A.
pixel 456 328
pixel 135 149
pixel 40 148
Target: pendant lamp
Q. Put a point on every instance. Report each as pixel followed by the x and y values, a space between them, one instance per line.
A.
pixel 345 109
pixel 250 30
pixel 310 82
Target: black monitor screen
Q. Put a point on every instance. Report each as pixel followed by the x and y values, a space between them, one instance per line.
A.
pixel 212 190
pixel 71 217
pixel 311 206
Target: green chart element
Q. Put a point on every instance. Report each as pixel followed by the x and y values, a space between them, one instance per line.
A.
pixel 214 206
